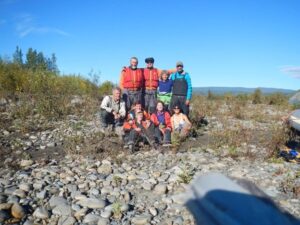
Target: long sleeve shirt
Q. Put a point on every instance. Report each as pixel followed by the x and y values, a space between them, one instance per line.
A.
pixel 110 105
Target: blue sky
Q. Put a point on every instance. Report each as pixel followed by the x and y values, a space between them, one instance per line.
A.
pixel 222 43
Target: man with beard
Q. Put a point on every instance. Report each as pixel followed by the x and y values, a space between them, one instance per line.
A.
pixel 131 83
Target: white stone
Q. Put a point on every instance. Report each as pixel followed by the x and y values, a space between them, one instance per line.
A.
pixel 92 203
pixel 41 213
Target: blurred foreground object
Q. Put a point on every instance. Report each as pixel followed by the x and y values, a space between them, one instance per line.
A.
pixel 215 199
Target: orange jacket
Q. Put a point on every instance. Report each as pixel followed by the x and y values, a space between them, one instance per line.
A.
pixel 151 77
pixel 131 79
pixel 132 124
pixel 131 115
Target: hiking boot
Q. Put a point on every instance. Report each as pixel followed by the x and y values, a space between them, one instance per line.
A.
pixel 155 146
pixel 167 145
pixel 130 148
pixel 103 130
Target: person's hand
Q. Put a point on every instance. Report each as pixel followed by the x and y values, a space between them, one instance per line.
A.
pixel 187 102
pixel 161 126
pixel 130 122
pixel 138 129
pixel 116 115
pixel 147 123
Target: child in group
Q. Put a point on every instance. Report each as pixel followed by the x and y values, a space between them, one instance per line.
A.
pixel 139 129
pixel 162 121
pixel 137 107
pixel 180 122
pixel 165 86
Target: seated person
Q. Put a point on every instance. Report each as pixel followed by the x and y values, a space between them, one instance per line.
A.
pixel 180 122
pixel 137 107
pixel 162 121
pixel 139 129
pixel 164 92
pixel 112 109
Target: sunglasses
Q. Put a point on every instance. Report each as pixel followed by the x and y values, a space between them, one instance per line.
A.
pixel 179 66
pixel 176 108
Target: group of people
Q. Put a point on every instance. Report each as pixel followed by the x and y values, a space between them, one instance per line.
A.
pixel 149 104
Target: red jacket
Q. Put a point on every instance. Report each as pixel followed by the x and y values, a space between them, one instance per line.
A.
pixel 132 124
pixel 132 79
pixel 167 124
pixel 151 77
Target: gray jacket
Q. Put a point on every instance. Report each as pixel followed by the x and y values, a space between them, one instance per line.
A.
pixel 110 105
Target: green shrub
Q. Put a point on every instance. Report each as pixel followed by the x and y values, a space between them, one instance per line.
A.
pixel 277 99
pixel 257 97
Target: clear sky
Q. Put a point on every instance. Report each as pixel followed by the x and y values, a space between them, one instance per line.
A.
pixel 254 43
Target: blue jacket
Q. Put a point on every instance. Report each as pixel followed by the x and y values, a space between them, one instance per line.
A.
pixel 187 77
pixel 165 86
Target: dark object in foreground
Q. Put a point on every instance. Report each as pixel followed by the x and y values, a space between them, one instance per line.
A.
pixel 217 200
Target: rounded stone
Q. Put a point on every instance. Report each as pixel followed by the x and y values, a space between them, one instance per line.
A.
pixel 26 163
pixel 141 219
pixel 103 221
pixel 92 203
pixel 41 213
pixel 91 219
pixel 106 214
pixel 25 187
pixel 17 211
pixel 153 211
pixel 160 189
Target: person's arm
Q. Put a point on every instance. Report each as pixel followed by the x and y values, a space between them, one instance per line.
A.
pixel 189 87
pixel 146 115
pixel 172 76
pixel 168 120
pixel 172 122
pixel 187 120
pixel 122 78
pixel 105 104
pixel 170 71
pixel 128 125
pixel 154 119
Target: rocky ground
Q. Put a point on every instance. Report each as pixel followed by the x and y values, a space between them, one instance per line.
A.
pixel 66 172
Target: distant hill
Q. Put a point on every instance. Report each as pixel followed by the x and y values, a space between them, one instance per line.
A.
pixel 238 90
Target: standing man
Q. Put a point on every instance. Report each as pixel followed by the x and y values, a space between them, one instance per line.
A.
pixel 131 83
pixel 182 89
pixel 112 109
pixel 151 76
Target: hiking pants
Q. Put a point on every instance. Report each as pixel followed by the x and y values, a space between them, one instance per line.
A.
pixel 150 101
pixel 146 135
pixel 165 137
pixel 180 100
pixel 107 118
pixel 166 99
pixel 130 97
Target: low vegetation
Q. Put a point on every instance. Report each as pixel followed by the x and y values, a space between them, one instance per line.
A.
pixel 37 87
pixel 238 122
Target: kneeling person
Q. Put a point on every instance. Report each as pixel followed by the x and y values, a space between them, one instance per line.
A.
pixel 112 109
